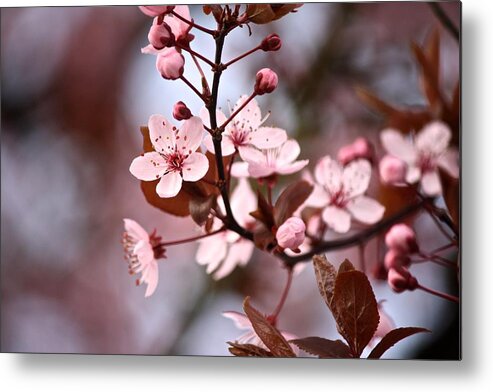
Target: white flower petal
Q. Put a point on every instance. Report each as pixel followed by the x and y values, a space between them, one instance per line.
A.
pixel 290 168
pixel 144 252
pixel 366 209
pixel 413 174
pixel 434 138
pixel 288 152
pixel 243 201
pixel 240 170
pixel 356 177
pixel 240 320
pixel 169 185
pixel 190 135
pixel 135 230
pixel 318 198
pixel 337 219
pixel 396 144
pixel 449 161
pixel 250 116
pixel 430 183
pixel 239 254
pixel 151 278
pixel 211 250
pixel 161 134
pixel 148 167
pixel 328 173
pixel 268 137
pixel 251 155
pixel 195 167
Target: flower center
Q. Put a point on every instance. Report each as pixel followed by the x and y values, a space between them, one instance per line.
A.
pixel 426 162
pixel 174 161
pixel 338 199
pixel 239 137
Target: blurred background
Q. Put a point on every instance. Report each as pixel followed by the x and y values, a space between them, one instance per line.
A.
pixel 75 89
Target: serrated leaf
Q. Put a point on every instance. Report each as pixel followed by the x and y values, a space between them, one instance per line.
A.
pixel 265 13
pixel 248 350
pixel 290 200
pixel 269 334
pixel 323 348
pixel 392 338
pixel 346 266
pixel 200 208
pixel 325 274
pixel 355 309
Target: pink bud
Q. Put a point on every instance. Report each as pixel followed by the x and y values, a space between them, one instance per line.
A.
pixel 266 81
pixel 160 35
pixel 392 170
pixel 291 233
pixel 395 259
pixel 402 239
pixel 170 64
pixel 156 10
pixel 271 43
pixel 361 148
pixel 400 279
pixel 181 111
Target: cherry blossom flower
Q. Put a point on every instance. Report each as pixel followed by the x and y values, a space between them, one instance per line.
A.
pixel 174 159
pixel 402 239
pixel 141 252
pixel 156 10
pixel 340 192
pixel 265 81
pixel 245 131
pixel 424 154
pixel 393 171
pixel 224 251
pixel 360 148
pixel 266 162
pixel 291 234
pixel 242 322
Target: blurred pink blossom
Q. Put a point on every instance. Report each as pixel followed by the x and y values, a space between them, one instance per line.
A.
pixel 393 170
pixel 402 239
pixel 360 148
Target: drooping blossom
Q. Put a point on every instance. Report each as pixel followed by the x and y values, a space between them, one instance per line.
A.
pixel 141 252
pixel 174 158
pixel 222 252
pixel 291 234
pixel 267 162
pixel 242 322
pixel 424 155
pixel 340 192
pixel 245 132
pixel 160 35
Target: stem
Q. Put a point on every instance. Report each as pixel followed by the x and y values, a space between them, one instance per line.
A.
pixel 193 24
pixel 362 257
pixel 241 56
pixel 194 53
pixel 284 294
pixel 435 219
pixel 448 297
pixel 445 20
pixel 184 241
pixel 238 110
pixel 194 89
pixel 269 193
pixel 233 157
pixel 445 247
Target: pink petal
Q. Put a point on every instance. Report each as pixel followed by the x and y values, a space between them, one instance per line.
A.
pixel 169 185
pixel 243 201
pixel 148 167
pixel 366 209
pixel 328 173
pixel 144 252
pixel 356 177
pixel 161 134
pixel 240 170
pixel 195 167
pixel 227 146
pixel 251 155
pixel 337 219
pixel 430 183
pixel 135 230
pixel 190 135
pixel 239 254
pixel 434 137
pixel 260 170
pixel 151 278
pixel 288 152
pixel 291 168
pixel 204 115
pixel 178 27
pixel 240 320
pixel 449 161
pixel 249 118
pixel 268 137
pixel 211 250
pixel 413 174
pixel 396 144
pixel 318 198
pixel 149 49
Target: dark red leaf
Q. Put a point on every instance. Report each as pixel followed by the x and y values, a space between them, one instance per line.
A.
pixel 323 348
pixel 346 266
pixel 325 274
pixel 264 212
pixel 451 195
pixel 248 350
pixel 290 200
pixel 392 338
pixel 200 208
pixel 263 237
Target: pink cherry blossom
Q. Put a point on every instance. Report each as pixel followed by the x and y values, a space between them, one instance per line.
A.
pixel 242 322
pixel 160 35
pixel 392 170
pixel 224 251
pixel 141 251
pixel 265 81
pixel 155 10
pixel 340 192
pixel 291 234
pixel 174 158
pixel 266 162
pixel 245 131
pixel 360 148
pixel 402 239
pixel 181 111
pixel 170 63
pixel 424 154
pixel 395 259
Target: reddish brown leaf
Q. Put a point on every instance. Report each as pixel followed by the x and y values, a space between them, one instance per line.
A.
pixel 290 200
pixel 263 237
pixel 265 13
pixel 451 195
pixel 325 274
pixel 346 266
pixel 269 334
pixel 355 309
pixel 200 208
pixel 392 338
pixel 248 350
pixel 264 212
pixel 323 348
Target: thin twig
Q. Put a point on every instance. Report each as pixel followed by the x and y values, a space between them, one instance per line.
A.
pixel 444 19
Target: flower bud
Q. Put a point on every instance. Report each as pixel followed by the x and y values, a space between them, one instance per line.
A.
pixel 291 233
pixel 156 10
pixel 271 43
pixel 361 148
pixel 160 35
pixel 181 111
pixel 395 259
pixel 170 64
pixel 392 170
pixel 400 279
pixel 402 239
pixel 266 81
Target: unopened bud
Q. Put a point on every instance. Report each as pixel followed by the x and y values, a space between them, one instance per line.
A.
pixel 402 239
pixel 181 111
pixel 392 170
pixel 291 233
pixel 395 259
pixel 170 64
pixel 266 81
pixel 361 148
pixel 160 35
pixel 271 43
pixel 156 10
pixel 400 279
